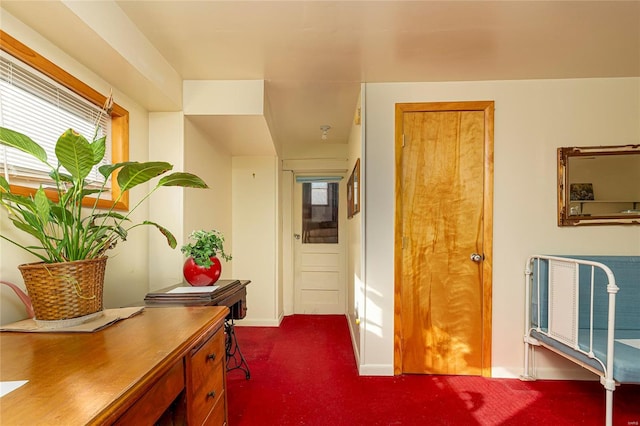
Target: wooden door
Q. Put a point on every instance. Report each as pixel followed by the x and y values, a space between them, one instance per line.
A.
pixel 444 174
pixel 319 256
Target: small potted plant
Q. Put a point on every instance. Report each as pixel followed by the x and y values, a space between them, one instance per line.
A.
pixel 203 266
pixel 72 239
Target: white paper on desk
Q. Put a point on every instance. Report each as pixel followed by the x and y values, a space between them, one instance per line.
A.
pixel 6 387
pixel 202 289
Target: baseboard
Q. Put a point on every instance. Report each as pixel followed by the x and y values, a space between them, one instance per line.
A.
pixel 505 373
pixel 354 344
pixel 564 374
pixel 376 370
pixel 544 373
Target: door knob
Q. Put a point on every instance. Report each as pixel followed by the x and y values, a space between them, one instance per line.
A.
pixel 476 257
pixel 296 236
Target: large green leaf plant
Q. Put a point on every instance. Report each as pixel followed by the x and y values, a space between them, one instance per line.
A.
pixel 64 229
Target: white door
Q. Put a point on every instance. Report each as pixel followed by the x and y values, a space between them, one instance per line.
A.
pixel 319 274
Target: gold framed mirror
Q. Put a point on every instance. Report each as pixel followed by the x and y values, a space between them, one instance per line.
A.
pixel 599 185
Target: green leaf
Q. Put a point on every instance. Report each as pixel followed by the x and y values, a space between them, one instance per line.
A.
pixel 136 173
pixel 56 175
pixel 4 185
pixel 23 143
pixel 99 148
pixel 107 169
pixel 20 200
pixel 105 232
pixel 122 233
pixel 182 179
pixel 113 215
pixel 66 199
pixel 27 228
pixel 171 240
pixel 61 216
pixel 87 192
pixel 99 233
pixel 75 154
pixel 91 220
pixel 42 205
pixel 31 220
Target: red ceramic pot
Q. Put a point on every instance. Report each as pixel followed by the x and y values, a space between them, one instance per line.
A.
pixel 197 275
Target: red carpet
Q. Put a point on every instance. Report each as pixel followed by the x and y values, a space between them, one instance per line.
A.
pixel 304 373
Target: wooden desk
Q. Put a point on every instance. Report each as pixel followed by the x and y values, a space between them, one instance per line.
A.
pixel 128 373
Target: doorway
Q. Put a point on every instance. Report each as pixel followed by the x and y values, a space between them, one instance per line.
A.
pixel 443 238
pixel 319 255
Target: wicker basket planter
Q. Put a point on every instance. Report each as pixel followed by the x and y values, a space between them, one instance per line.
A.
pixel 63 291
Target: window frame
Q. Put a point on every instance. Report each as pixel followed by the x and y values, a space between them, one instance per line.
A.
pixel 119 119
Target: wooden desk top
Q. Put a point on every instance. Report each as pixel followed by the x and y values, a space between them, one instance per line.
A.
pixel 86 378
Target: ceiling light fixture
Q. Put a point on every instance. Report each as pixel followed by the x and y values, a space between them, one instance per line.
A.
pixel 325 132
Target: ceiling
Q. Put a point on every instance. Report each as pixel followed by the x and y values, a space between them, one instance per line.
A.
pixel 313 55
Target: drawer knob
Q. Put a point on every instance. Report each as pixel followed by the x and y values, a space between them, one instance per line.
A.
pixel 211 356
pixel 211 394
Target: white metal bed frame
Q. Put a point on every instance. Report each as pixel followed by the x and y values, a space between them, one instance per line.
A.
pixel 563 314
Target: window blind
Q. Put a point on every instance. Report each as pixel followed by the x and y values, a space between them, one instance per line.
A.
pixel 42 109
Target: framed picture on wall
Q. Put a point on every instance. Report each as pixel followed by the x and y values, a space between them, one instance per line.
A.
pixel 353 191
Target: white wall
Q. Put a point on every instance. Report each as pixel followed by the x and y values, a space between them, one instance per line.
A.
pixel 287 184
pixel 281 262
pixel 325 151
pixel 532 119
pixel 355 299
pixel 166 143
pixel 209 208
pixel 255 243
pixel 126 278
pixel 223 97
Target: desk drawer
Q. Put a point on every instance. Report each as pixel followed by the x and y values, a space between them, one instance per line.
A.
pixel 218 416
pixel 205 378
pixel 156 399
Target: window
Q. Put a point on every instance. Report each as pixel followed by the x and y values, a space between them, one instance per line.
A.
pixel 319 196
pixel 41 100
pixel 35 105
pixel 320 213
